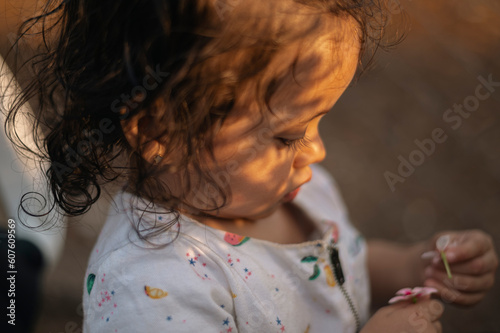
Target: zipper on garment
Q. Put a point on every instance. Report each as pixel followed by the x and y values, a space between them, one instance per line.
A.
pixel 339 277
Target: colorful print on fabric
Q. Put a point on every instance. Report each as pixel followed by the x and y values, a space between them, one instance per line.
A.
pixel 330 278
pixel 239 266
pixel 90 282
pixel 155 293
pixel 355 247
pixel 309 259
pixel 226 326
pixel 198 265
pixel 279 323
pixel 316 271
pixel 234 239
pixel 102 298
pixel 335 229
pixel 175 321
pixel 107 302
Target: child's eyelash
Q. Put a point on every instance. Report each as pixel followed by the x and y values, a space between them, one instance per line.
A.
pixel 295 144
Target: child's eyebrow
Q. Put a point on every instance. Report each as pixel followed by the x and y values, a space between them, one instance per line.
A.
pixel 313 117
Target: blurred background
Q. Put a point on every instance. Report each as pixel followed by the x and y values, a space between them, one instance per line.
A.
pixel 450 44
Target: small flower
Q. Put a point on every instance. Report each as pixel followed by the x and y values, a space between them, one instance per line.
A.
pixel 411 294
pixel 441 244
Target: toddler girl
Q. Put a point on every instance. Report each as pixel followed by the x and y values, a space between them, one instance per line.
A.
pixel 206 113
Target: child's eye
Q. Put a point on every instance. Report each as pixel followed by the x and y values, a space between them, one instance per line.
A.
pixel 295 144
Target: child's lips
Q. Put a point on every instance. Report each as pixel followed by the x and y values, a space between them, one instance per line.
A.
pixel 290 196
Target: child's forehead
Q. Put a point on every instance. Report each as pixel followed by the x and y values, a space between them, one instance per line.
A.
pixel 313 83
pixel 313 92
pixel 312 73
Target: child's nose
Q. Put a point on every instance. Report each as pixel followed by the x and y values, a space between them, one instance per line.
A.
pixel 314 152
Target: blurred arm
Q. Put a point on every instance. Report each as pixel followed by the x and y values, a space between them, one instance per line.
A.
pixel 393 266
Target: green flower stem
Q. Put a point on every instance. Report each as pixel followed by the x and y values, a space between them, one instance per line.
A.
pixel 446 266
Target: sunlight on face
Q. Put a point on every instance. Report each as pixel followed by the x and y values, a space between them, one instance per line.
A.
pixel 262 163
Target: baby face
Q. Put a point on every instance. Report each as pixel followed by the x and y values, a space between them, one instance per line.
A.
pixel 263 157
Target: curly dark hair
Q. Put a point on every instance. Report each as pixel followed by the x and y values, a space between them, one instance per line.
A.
pixel 180 62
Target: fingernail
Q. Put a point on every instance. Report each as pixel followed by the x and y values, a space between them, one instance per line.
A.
pixel 436 260
pixel 429 255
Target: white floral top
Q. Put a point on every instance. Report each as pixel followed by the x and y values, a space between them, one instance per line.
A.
pixel 208 280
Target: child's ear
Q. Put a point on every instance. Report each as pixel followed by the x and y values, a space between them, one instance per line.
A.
pixel 141 133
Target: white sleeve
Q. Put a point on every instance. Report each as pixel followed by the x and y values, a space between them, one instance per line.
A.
pixel 326 181
pixel 175 289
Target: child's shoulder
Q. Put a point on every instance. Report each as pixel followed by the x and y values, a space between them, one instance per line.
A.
pixel 130 280
pixel 119 245
pixel 133 260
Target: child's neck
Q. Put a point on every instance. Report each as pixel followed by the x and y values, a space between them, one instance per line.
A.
pixel 287 225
